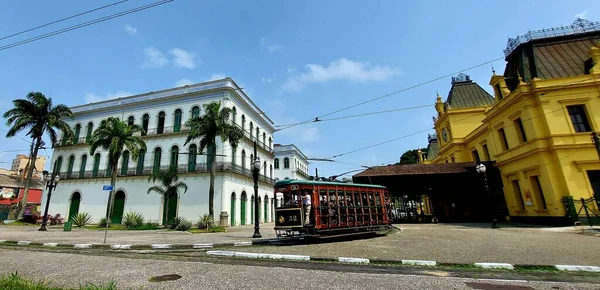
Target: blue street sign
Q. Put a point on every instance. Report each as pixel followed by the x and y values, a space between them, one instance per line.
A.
pixel 107 187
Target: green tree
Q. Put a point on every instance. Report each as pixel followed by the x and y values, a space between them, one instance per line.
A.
pixel 39 116
pixel 113 136
pixel 412 156
pixel 169 185
pixel 214 123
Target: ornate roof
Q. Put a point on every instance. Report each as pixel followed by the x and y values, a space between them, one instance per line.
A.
pixel 418 169
pixel 467 94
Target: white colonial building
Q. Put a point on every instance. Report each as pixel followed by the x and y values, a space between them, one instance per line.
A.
pixel 163 114
pixel 290 163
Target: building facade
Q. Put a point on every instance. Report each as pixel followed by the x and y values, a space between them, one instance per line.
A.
pixel 162 115
pixel 536 128
pixel 20 163
pixel 290 163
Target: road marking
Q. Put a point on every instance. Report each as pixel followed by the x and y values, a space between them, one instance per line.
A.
pixel 495 265
pixel 23 243
pixel 353 260
pixel 578 268
pixel 419 262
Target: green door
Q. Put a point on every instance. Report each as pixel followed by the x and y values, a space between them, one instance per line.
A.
pixel 172 209
pixel 266 205
pixel 74 208
pixel 118 208
pixel 232 218
pixel 243 209
pixel 252 210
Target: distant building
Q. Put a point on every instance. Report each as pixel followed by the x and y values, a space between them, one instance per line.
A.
pixel 20 163
pixel 290 163
pixel 11 193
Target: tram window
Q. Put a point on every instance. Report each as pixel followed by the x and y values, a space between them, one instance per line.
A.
pixel 365 201
pixel 349 198
pixel 377 199
pixel 323 197
pixel 357 201
pixel 341 198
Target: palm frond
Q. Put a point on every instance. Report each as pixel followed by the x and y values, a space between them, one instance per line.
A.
pixel 156 189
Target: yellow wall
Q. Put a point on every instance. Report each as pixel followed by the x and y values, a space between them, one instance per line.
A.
pixel 554 151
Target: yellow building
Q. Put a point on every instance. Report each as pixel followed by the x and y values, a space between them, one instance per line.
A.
pixel 20 163
pixel 536 128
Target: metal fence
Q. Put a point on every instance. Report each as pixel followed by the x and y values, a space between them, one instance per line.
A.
pixel 583 210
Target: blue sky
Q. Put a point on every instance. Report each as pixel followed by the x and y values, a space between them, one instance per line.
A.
pixel 296 59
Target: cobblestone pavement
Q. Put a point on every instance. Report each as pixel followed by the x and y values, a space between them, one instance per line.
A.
pixel 462 243
pixel 96 236
pixel 72 270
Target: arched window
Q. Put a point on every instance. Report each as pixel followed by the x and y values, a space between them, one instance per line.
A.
pixel 157 156
pixel 96 165
pixel 130 120
pixel 264 139
pixel 243 122
pixel 195 112
pixel 145 122
pixel 108 170
pixel 233 114
pixel 140 162
pixel 58 164
pixel 192 158
pixel 251 160
pixel 124 162
pixel 243 160
pixel 265 168
pixel 177 121
pixel 76 133
pixel 174 155
pixel 210 157
pixel 82 166
pixel 160 128
pixel 286 163
pixel 250 129
pixel 90 130
pixel 271 171
pixel 233 149
pixel 70 166
pixel 257 134
pixel 270 143
pixel 276 161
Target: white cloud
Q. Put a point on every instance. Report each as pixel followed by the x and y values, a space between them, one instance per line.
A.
pixel 216 76
pixel 130 29
pixel 154 58
pixel 309 134
pixel 341 69
pixel 183 58
pixel 269 79
pixel 264 43
pixel 183 82
pixel 291 69
pixel 303 133
pixel 92 98
pixel 582 15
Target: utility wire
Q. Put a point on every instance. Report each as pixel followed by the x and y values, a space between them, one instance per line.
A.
pixel 63 19
pixel 81 25
pixel 28 141
pixel 361 115
pixel 507 126
pixel 391 94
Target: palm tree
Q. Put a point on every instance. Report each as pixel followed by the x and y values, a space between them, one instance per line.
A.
pixel 113 136
pixel 169 185
pixel 37 114
pixel 207 127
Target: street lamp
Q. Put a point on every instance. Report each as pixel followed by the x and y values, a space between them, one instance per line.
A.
pixel 255 171
pixel 481 169
pixel 51 182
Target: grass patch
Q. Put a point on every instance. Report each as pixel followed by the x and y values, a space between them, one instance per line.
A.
pixel 15 281
pixel 209 230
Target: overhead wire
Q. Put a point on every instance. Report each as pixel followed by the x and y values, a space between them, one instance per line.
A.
pixel 63 19
pixel 422 131
pixel 390 94
pixel 84 24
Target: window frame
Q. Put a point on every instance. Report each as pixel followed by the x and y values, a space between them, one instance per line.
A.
pixel 585 122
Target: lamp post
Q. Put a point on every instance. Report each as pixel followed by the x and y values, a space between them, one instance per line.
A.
pixel 51 182
pixel 481 169
pixel 255 171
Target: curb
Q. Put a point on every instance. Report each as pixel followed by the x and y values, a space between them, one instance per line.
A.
pixel 344 260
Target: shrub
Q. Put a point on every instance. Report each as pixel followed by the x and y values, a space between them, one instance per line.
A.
pixel 206 221
pixel 184 225
pixel 57 219
pixel 81 219
pixel 176 222
pixel 103 222
pixel 133 220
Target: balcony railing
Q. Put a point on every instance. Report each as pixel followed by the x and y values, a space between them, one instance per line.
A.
pixel 181 168
pixel 171 130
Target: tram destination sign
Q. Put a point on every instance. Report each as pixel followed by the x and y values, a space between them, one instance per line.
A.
pixel 286 217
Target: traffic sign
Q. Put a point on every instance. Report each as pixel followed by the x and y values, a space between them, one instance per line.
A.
pixel 107 187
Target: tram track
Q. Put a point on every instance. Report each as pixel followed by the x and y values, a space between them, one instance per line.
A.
pixel 200 256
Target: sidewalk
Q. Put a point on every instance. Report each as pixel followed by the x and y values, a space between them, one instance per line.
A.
pixel 96 236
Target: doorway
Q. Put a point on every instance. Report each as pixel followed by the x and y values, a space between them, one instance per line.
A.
pixel 118 208
pixel 74 207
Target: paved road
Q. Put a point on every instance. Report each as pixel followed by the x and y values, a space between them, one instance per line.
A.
pixel 72 269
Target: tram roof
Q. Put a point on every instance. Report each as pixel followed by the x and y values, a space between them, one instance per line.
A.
pixel 318 182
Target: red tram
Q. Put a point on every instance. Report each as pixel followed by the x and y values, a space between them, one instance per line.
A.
pixel 335 208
